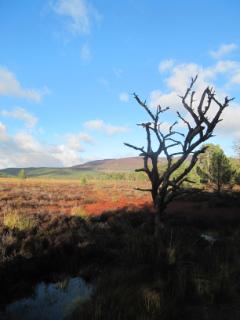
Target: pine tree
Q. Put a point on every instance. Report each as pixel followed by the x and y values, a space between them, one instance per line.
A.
pixel 22 174
pixel 215 167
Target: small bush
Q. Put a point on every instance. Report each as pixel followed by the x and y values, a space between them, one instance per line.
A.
pixel 14 219
pixel 22 174
pixel 237 177
pixel 84 181
pixel 79 212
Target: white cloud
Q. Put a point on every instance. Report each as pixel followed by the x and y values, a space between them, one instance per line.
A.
pixel 225 72
pixel 94 124
pixel 10 86
pixel 124 97
pixel 3 132
pixel 26 141
pixel 223 50
pixel 225 66
pixel 109 129
pixel 74 141
pixel 164 99
pixel 229 126
pixel 79 12
pixel 85 53
pixel 165 65
pixel 165 126
pixel 181 74
pixel 177 82
pixel 179 78
pixel 23 149
pixel 22 114
pixel 66 156
pixel 236 77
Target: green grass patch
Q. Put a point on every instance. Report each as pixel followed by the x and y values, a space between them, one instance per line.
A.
pixel 14 219
pixel 79 212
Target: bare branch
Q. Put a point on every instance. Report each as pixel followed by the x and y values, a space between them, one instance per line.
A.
pixel 144 105
pixel 185 121
pixel 199 129
pixel 135 148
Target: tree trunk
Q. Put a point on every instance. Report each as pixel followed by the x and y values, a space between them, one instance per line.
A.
pixel 159 221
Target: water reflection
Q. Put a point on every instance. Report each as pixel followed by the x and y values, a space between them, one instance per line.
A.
pixel 52 301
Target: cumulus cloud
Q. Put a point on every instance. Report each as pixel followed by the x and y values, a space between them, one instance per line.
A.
pixel 3 132
pixel 229 126
pixel 21 114
pixel 179 78
pixel 26 141
pixel 177 81
pixel 166 65
pixel 170 99
pixel 124 97
pixel 24 150
pixel 109 129
pixel 65 155
pixel 10 86
pixel 235 79
pixel 74 141
pixel 80 13
pixel 225 72
pixel 223 50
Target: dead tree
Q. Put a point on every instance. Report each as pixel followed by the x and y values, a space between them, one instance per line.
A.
pixel 164 187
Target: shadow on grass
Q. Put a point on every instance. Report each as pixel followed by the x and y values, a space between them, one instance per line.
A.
pixel 177 275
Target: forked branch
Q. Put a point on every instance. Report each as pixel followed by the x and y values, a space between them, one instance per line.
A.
pixel 165 185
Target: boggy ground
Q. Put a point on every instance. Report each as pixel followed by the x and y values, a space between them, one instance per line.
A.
pixel 181 274
pixel 66 197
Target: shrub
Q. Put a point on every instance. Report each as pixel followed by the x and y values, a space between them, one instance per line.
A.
pixel 84 181
pixel 22 174
pixel 13 219
pixel 237 177
pixel 79 212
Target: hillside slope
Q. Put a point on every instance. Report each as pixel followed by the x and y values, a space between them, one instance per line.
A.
pixel 107 165
pixel 122 164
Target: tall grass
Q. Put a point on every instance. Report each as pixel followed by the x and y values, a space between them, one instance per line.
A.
pixel 14 219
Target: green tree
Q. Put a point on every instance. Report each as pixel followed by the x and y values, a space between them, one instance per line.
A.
pixel 22 174
pixel 221 169
pixel 205 161
pixel 215 167
pixel 236 147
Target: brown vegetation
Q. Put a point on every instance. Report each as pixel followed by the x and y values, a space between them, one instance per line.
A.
pixel 59 197
pixel 51 229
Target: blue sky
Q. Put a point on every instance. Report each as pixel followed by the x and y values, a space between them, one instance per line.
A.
pixel 68 69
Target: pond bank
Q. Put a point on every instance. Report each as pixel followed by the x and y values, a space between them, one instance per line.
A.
pixel 49 301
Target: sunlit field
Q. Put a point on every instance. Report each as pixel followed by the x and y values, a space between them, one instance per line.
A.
pixel 68 197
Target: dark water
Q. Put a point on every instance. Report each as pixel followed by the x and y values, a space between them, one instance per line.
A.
pixel 52 301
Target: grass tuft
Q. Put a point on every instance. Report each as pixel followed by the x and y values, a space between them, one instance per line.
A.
pixel 80 212
pixel 14 219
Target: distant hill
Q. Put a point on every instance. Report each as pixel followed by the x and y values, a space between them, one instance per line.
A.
pixel 123 164
pixel 107 165
pixel 113 165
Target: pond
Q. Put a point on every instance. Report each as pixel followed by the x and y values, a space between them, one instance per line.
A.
pixel 51 301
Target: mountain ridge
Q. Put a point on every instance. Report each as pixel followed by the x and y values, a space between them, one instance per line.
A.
pixel 127 164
